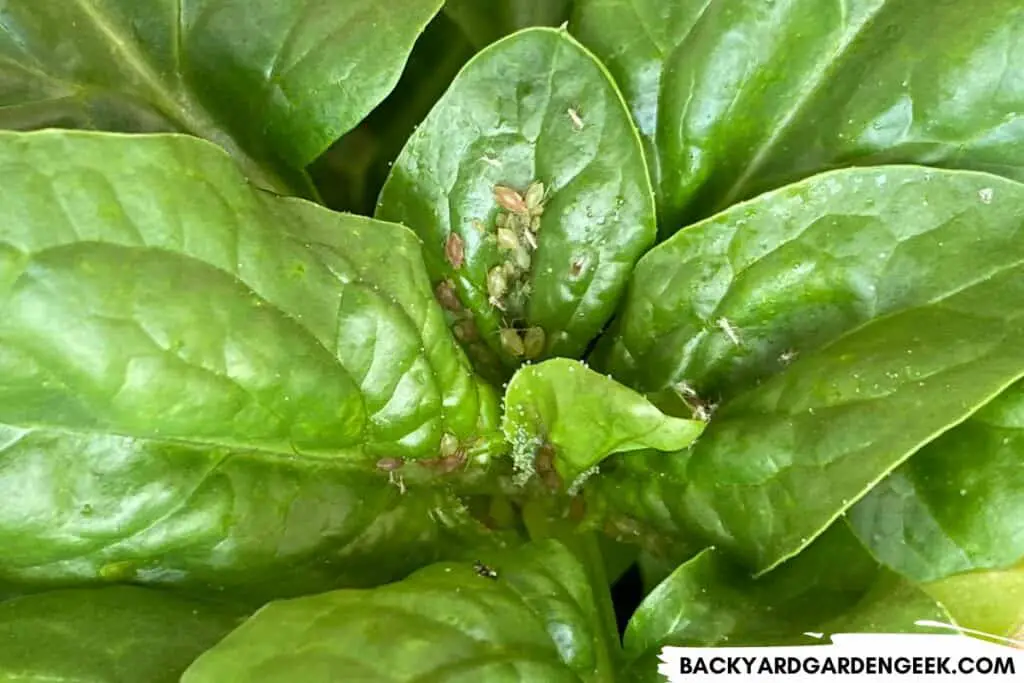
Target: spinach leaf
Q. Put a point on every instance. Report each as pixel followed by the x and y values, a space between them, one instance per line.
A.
pixel 121 634
pixel 855 270
pixel 988 601
pixel 832 587
pixel 735 98
pixel 563 419
pixel 485 22
pixel 533 108
pixel 955 506
pixel 202 377
pixel 522 615
pixel 274 82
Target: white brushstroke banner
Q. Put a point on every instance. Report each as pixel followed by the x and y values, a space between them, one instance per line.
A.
pixel 852 658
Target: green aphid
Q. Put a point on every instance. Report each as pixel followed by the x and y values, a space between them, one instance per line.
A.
pixel 497 283
pixel 534 199
pixel 512 343
pixel 507 239
pixel 449 445
pixel 533 342
pixel 521 258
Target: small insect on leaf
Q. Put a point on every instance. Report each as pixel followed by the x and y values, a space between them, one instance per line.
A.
pixel 729 330
pixel 788 356
pixel 535 198
pixel 535 224
pixel 510 200
pixel 483 570
pixel 574 116
pixel 530 239
pixel 497 282
pixel 533 342
pixel 454 250
pixel 466 331
pixel 446 296
pixel 512 343
pixel 507 239
pixel 576 267
pixel 389 464
pixel 449 445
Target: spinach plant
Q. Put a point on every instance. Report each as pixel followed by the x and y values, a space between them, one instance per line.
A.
pixel 352 340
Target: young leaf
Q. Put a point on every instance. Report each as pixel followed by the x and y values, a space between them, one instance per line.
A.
pixel 164 322
pixel 522 615
pixel 745 96
pixel 121 634
pixel 274 82
pixel 485 22
pixel 533 108
pixel 583 417
pixel 833 587
pixel 957 505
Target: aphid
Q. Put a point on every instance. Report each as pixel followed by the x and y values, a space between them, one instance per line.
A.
pixel 466 331
pixel 576 267
pixel 530 239
pixel 510 200
pixel 497 282
pixel 449 445
pixel 390 464
pixel 535 199
pixel 446 464
pixel 533 342
pixel 522 259
pixel 446 296
pixel 507 239
pixel 454 250
pixel 534 224
pixel 788 356
pixel 483 570
pixel 511 342
pixel 729 330
pixel 574 116
pixel 684 389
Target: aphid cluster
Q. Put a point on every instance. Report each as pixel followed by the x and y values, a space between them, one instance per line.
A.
pixel 508 283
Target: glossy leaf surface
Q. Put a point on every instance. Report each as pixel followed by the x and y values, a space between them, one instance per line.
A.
pixel 274 82
pixel 196 374
pixel 735 98
pixel 527 615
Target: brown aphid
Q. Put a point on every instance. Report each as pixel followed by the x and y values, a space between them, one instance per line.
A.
pixel 389 464
pixel 510 200
pixel 454 250
pixel 446 464
pixel 544 465
pixel 446 296
pixel 512 343
pixel 576 267
pixel 533 342
pixel 466 331
pixel 483 570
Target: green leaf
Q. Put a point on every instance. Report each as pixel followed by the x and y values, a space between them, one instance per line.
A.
pixel 196 374
pixel 832 587
pixel 532 620
pixel 121 634
pixel 894 285
pixel 486 22
pixel 794 269
pixel 565 413
pixel 745 96
pixel 274 82
pixel 506 121
pixel 955 506
pixel 987 601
